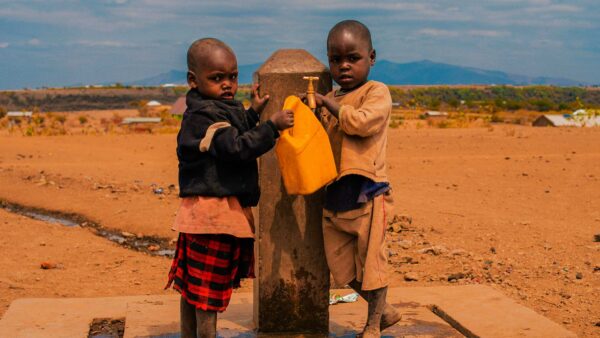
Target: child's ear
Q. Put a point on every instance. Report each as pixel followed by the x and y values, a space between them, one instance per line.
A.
pixel 372 57
pixel 191 79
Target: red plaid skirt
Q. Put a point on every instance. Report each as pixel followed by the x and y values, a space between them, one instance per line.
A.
pixel 207 267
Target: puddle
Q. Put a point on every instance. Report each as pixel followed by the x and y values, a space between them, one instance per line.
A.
pixel 31 213
pixel 151 245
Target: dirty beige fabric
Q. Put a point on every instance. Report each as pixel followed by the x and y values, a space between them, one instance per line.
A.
pixel 355 243
pixel 359 138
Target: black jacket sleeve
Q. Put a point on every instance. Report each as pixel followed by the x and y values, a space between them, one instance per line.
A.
pixel 229 144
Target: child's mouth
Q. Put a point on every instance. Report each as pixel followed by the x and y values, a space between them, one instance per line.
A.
pixel 345 78
pixel 228 96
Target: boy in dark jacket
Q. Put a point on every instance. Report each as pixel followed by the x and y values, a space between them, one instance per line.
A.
pixel 217 147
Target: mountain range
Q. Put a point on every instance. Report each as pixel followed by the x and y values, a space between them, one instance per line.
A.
pixel 423 72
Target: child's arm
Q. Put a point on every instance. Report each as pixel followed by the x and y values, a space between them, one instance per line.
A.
pixel 228 144
pixel 366 120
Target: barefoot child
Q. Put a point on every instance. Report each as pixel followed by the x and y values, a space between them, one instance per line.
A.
pixel 359 201
pixel 217 148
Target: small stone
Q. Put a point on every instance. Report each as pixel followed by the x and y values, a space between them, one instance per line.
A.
pixel 48 265
pixel 153 247
pixel 579 275
pixel 459 252
pixel 139 235
pixel 565 295
pixel 434 250
pixel 597 238
pixel 493 250
pixel 408 260
pixel 405 244
pixel 127 234
pixel 411 277
pixel 392 253
pixel 456 276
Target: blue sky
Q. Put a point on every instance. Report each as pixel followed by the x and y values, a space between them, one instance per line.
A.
pixel 63 42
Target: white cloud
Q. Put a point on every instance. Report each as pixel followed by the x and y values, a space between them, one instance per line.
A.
pixel 34 42
pixel 559 8
pixel 438 32
pixel 4 44
pixel 488 33
pixel 103 43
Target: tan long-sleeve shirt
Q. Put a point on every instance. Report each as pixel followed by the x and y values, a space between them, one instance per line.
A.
pixel 359 138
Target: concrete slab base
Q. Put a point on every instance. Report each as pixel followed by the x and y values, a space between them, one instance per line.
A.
pixel 473 311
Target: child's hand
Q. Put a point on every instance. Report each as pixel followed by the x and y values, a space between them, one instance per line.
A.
pixel 323 101
pixel 283 119
pixel 318 99
pixel 258 103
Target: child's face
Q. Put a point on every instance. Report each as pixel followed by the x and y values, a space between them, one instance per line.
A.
pixel 217 76
pixel 350 59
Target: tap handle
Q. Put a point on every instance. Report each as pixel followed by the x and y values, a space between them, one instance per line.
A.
pixel 310 92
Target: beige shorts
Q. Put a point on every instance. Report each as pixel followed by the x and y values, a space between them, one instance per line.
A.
pixel 355 243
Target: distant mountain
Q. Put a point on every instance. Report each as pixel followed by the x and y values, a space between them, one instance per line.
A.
pixel 432 73
pixel 180 77
pixel 412 73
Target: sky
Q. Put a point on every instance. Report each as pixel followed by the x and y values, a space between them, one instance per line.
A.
pixel 67 42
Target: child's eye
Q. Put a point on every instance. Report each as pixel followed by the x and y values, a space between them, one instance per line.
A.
pixel 234 76
pixel 217 78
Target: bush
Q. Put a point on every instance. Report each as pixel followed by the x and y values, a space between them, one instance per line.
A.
pixel 82 120
pixel 2 112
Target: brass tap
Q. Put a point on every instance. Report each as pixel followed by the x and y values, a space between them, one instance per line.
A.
pixel 310 92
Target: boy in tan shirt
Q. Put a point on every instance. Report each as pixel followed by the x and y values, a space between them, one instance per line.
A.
pixel 359 202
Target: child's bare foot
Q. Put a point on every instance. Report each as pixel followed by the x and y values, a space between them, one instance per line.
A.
pixel 370 332
pixel 390 317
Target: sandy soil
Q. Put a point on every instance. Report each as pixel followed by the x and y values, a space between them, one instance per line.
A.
pixel 512 207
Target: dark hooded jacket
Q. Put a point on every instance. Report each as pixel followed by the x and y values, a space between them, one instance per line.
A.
pixel 217 147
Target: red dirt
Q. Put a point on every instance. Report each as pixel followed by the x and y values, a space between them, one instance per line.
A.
pixel 513 207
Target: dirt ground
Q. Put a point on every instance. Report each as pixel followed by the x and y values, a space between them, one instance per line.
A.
pixel 513 207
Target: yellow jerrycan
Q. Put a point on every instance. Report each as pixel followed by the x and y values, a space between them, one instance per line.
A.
pixel 304 152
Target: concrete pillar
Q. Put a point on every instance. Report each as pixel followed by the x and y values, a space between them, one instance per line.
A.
pixel 292 287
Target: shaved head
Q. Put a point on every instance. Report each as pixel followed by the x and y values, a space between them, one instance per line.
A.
pixel 353 27
pixel 202 50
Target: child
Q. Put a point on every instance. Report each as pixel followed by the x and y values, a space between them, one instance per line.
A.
pixel 217 148
pixel 357 204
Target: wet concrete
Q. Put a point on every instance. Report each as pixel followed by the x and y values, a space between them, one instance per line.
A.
pixel 481 310
pixel 159 246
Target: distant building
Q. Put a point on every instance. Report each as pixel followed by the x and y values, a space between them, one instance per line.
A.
pixel 395 104
pixel 19 114
pixel 141 120
pixel 179 107
pixel 153 103
pixel 168 85
pixel 566 120
pixel 436 114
